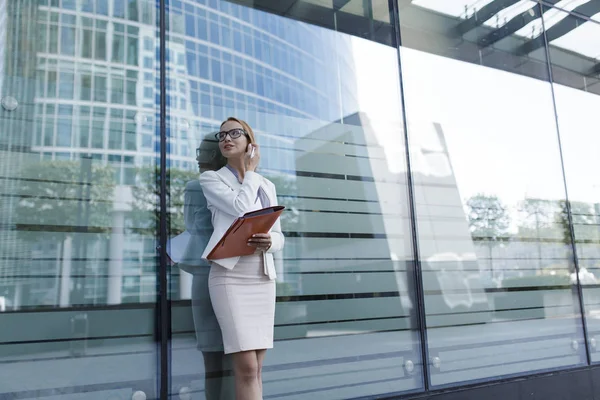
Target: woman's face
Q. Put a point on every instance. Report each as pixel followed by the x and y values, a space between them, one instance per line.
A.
pixel 233 148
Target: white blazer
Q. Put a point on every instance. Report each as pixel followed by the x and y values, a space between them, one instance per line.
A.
pixel 228 199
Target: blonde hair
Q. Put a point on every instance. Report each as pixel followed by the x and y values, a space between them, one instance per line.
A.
pixel 244 125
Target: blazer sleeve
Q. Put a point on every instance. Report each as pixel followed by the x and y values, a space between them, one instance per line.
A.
pixel 197 217
pixel 222 197
pixel 277 238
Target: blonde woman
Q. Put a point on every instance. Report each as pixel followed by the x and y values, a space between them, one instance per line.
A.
pixel 242 289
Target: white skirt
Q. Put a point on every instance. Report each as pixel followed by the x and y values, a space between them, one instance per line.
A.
pixel 243 299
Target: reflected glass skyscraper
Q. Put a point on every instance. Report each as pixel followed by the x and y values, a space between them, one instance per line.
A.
pixel 98 61
pixel 97 96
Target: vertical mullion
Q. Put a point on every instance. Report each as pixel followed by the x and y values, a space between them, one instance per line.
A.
pixel 567 202
pixel 418 277
pixel 163 317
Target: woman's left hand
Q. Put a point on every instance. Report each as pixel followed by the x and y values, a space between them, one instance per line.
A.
pixel 261 241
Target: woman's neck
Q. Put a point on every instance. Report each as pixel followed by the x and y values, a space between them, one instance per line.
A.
pixel 238 165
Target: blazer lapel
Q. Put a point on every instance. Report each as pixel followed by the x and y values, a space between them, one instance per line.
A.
pixel 228 178
pixel 231 180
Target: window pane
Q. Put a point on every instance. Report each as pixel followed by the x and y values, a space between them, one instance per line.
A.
pixel 67 41
pixel 66 85
pixel 52 83
pixel 49 132
pixel 132 11
pixel 499 300
pixel 132 51
pixel 84 133
pixel 98 134
pixel 87 43
pixel 115 135
pixel 119 8
pixel 100 88
pixel 53 39
pixel 87 6
pixel 86 87
pixel 577 100
pixel 63 138
pixel 345 286
pixel 100 51
pixel 117 90
pixel 102 7
pixel 131 92
pixel 203 65
pixel 118 49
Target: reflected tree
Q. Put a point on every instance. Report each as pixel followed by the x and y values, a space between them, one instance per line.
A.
pixel 488 222
pixel 146 192
pixel 66 204
pixel 64 196
pixel 583 220
pixel 537 224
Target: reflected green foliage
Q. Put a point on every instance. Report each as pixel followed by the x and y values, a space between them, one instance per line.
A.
pixel 488 218
pixel 537 221
pixel 488 222
pixel 582 215
pixel 584 221
pixel 146 201
pixel 56 195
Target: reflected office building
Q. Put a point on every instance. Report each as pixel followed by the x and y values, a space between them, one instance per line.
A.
pixel 437 161
pixel 96 99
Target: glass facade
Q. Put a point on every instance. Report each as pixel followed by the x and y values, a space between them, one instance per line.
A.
pixel 436 158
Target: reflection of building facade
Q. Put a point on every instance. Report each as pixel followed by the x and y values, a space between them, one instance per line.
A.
pixel 97 93
pixel 17 82
pixel 463 281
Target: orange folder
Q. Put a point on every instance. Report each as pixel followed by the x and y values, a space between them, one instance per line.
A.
pixel 234 241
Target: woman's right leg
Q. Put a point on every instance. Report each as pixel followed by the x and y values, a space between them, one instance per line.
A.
pixel 245 370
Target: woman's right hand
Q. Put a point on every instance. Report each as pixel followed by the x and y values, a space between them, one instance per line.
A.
pixel 252 163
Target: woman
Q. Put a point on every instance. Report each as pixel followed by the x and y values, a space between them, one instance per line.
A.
pixel 197 219
pixel 242 289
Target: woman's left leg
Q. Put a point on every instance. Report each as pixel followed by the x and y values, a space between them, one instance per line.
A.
pixel 260 357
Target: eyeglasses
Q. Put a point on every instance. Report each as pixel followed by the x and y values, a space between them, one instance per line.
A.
pixel 198 152
pixel 234 134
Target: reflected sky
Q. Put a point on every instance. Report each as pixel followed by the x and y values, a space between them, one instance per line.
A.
pixel 500 127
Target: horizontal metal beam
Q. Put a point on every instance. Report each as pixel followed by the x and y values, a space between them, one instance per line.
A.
pixel 338 4
pixel 562 28
pixel 327 17
pixel 514 25
pixel 482 15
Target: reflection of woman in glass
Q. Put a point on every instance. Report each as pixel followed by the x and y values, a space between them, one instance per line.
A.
pixel 198 223
pixel 242 289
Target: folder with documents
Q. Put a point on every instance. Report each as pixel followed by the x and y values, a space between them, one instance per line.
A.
pixel 234 241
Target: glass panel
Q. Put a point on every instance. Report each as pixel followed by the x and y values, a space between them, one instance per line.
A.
pixel 100 50
pixel 575 55
pixel 118 50
pixel 77 276
pixel 87 43
pixel 489 188
pixel 332 144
